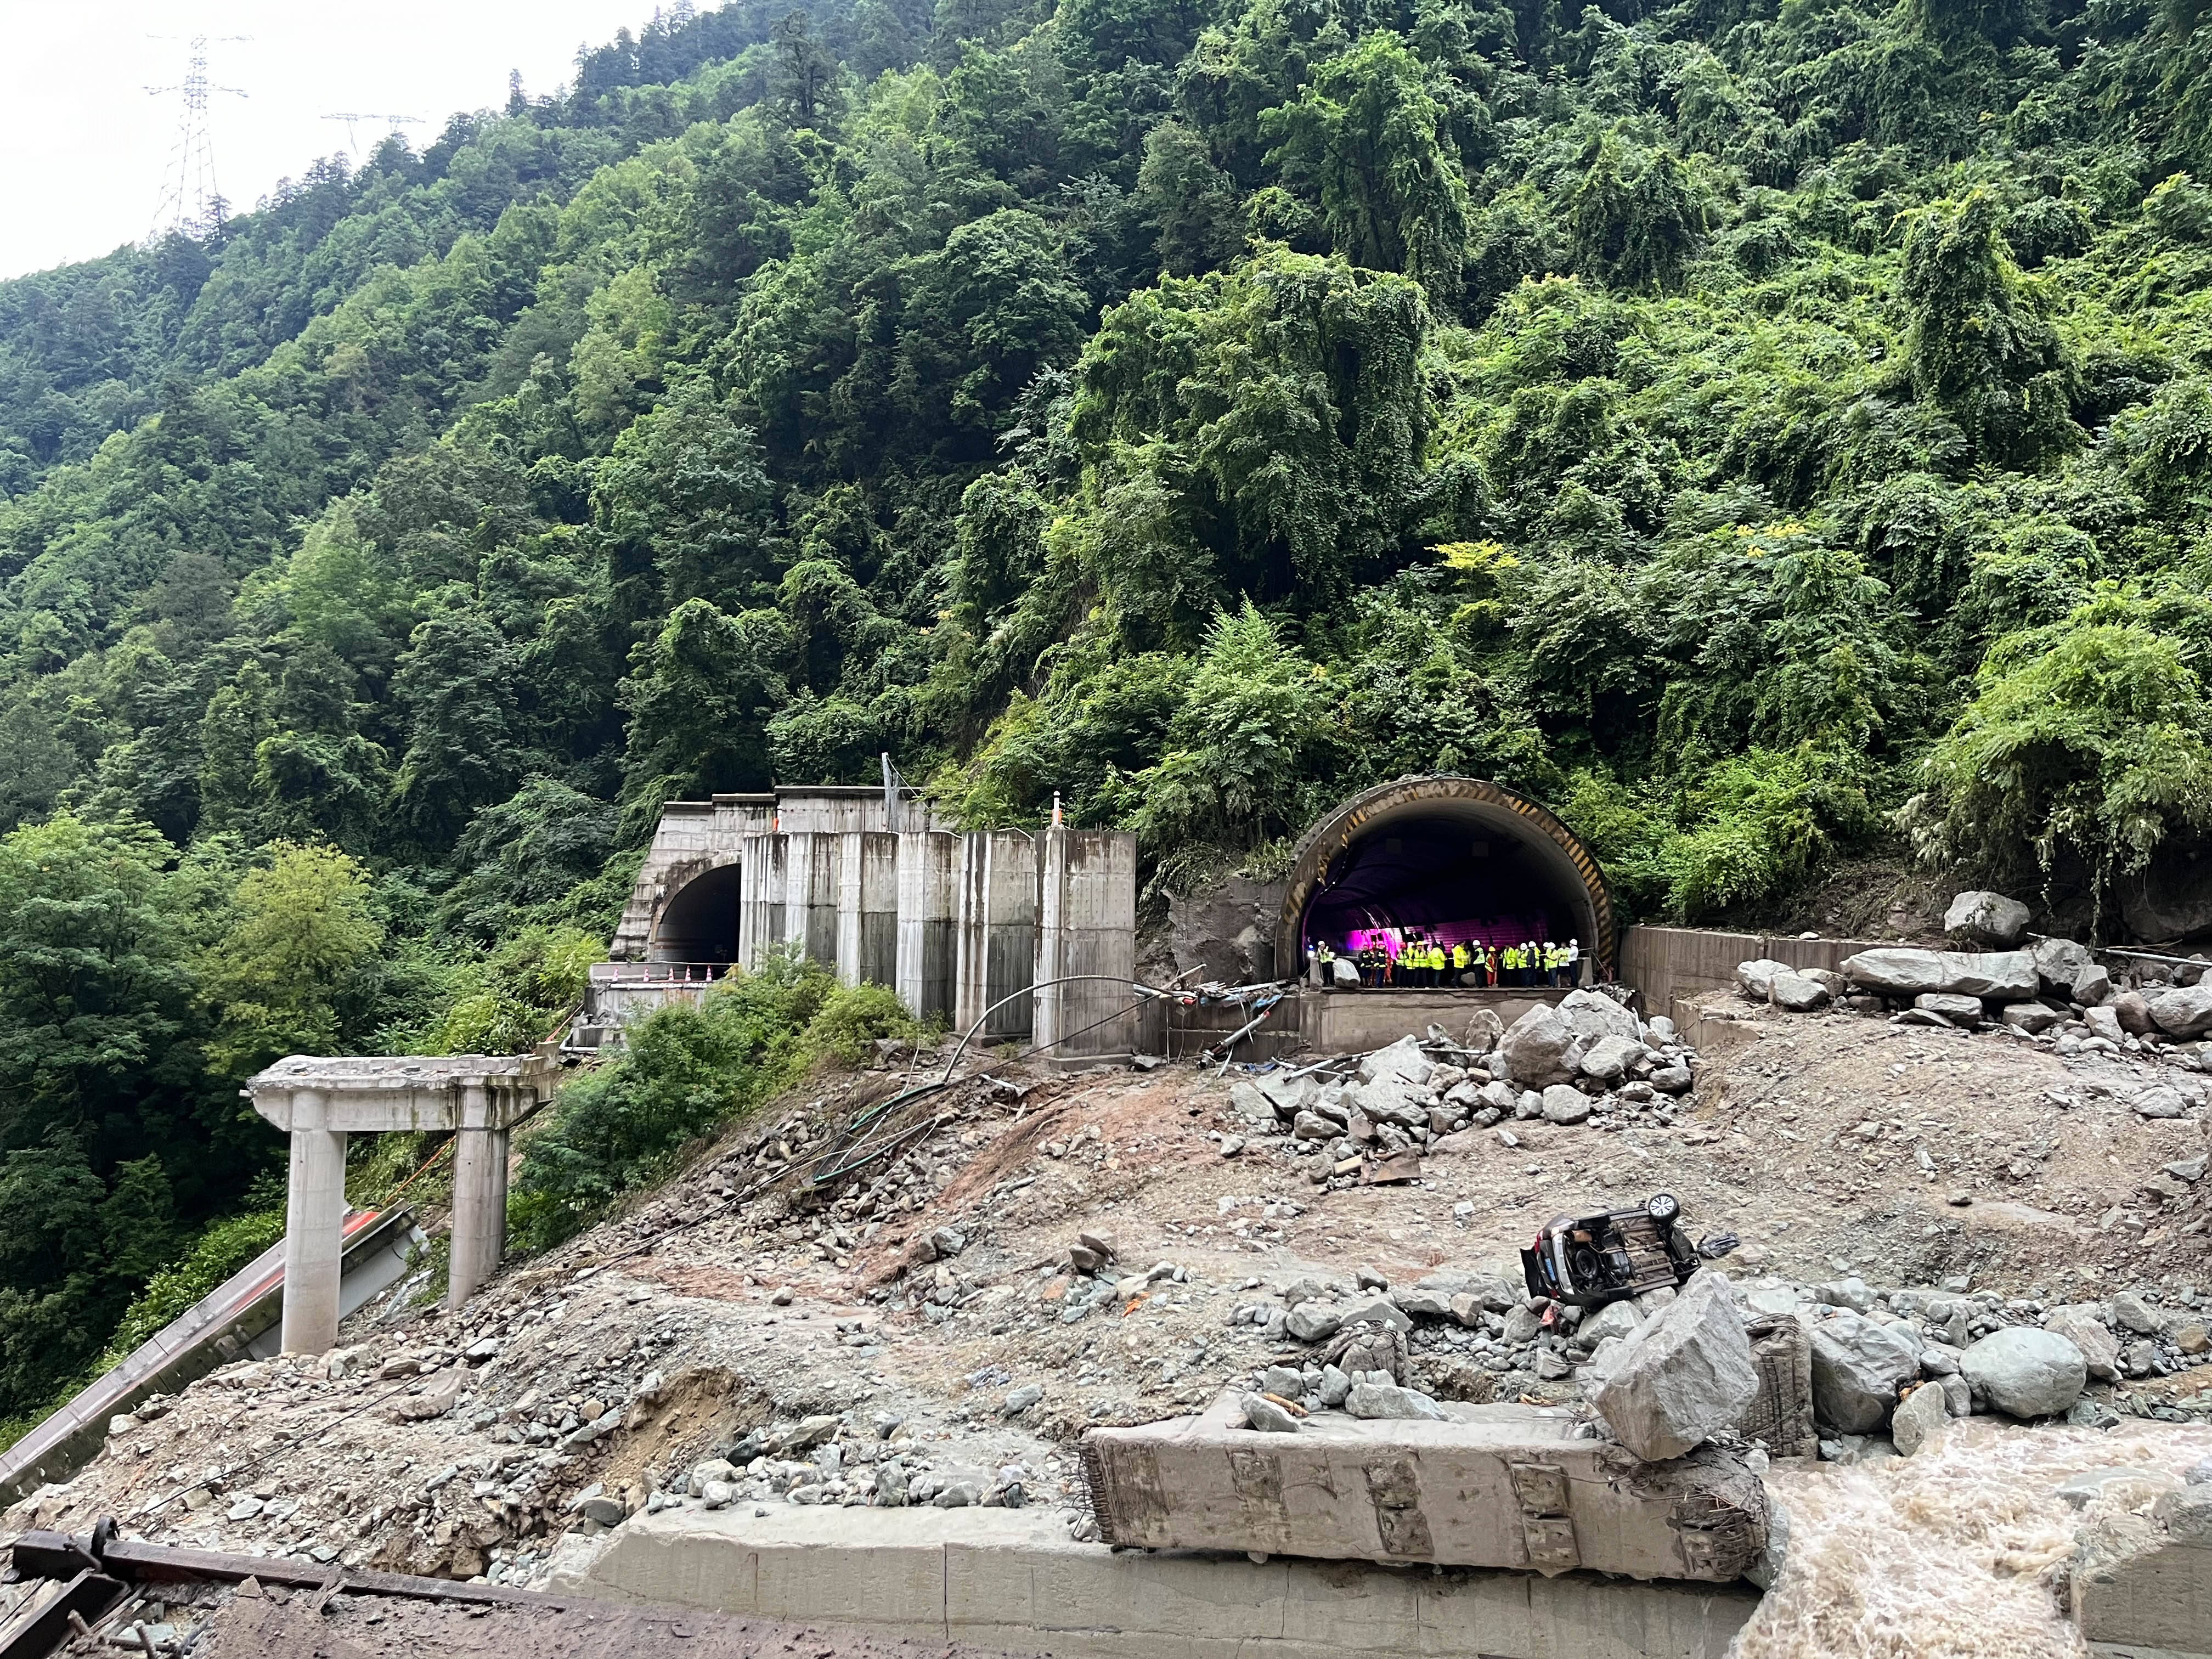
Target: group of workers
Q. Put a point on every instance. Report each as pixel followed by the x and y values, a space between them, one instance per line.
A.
pixel 1422 962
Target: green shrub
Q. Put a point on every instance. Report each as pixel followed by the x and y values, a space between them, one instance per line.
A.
pixel 685 1069
pixel 853 1018
pixel 220 1251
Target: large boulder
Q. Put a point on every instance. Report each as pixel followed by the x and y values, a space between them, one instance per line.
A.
pixel 2132 1013
pixel 1401 1062
pixel 2059 962
pixel 1754 979
pixel 1534 1046
pixel 1795 994
pixel 2185 1013
pixel 1608 1058
pixel 1922 1418
pixel 1959 1010
pixel 1565 1103
pixel 2026 1372
pixel 1907 971
pixel 1986 919
pixel 2078 1323
pixel 1858 1366
pixel 1682 1375
pixel 1592 1014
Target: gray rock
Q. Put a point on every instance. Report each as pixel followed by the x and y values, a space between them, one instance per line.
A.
pixel 2133 1013
pixel 1923 1416
pixel 1674 1079
pixel 1756 979
pixel 1522 1324
pixel 1565 1103
pixel 1265 1415
pixel 1310 1321
pixel 2026 1372
pixel 1959 1010
pixel 1853 1293
pixel 1662 1029
pixel 1379 1400
pixel 2078 1323
pixel 1425 1303
pixel 1958 1394
pixel 1857 1367
pixel 1335 1385
pixel 1795 994
pixel 2159 1101
pixel 1483 1030
pixel 2029 1017
pixel 947 1241
pixel 1377 1310
pixel 2059 962
pixel 2183 1013
pixel 2187 1515
pixel 1529 1102
pixel 1981 918
pixel 1608 1058
pixel 1592 1014
pixel 1250 1103
pixel 2103 1023
pixel 2198 1474
pixel 1535 1046
pixel 1499 1097
pixel 2090 986
pixel 719 1494
pixel 1615 1319
pixel 2190 1169
pixel 1311 1126
pixel 705 1474
pixel 1283 1380
pixel 607 1511
pixel 1906 971
pixel 1682 1375
pixel 2130 1312
pixel 1402 1061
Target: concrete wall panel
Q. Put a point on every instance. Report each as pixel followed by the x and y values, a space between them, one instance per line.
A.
pixel 923 968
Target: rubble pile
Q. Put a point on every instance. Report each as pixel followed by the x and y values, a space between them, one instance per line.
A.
pixel 1590 1060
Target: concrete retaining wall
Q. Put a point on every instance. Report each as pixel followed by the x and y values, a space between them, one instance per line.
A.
pixel 1013 1578
pixel 1671 965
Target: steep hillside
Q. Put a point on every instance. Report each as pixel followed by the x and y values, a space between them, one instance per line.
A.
pixel 1762 432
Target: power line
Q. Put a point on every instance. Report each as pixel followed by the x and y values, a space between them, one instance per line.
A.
pixel 395 122
pixel 192 205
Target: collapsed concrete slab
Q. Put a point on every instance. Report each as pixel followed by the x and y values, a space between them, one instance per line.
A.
pixel 1491 1486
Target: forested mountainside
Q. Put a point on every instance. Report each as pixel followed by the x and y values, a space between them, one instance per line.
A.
pixel 1758 431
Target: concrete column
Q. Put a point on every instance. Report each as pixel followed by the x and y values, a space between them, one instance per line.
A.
pixel 923 969
pixel 479 1214
pixel 848 908
pixel 314 1229
pixel 995 943
pixel 759 919
pixel 1086 924
pixel 810 883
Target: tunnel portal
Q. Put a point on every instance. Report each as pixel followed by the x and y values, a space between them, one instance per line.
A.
pixel 700 922
pixel 1456 859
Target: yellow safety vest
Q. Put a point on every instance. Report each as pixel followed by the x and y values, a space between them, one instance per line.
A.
pixel 1459 956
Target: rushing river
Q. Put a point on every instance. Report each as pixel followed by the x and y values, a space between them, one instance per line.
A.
pixel 1953 1554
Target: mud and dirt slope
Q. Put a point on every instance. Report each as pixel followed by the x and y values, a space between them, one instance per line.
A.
pixel 916 1334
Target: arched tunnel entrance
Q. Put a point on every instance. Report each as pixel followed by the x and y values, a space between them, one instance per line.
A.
pixel 699 923
pixel 1454 859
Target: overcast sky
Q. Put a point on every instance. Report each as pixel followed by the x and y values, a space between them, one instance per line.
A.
pixel 83 147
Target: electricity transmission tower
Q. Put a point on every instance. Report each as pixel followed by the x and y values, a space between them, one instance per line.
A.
pixel 395 122
pixel 191 203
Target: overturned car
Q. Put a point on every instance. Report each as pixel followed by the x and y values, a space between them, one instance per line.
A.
pixel 1590 1260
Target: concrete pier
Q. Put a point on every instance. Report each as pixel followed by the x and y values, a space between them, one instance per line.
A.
pixel 867 908
pixel 811 882
pixel 314 1222
pixel 926 907
pixel 320 1102
pixel 1086 925
pixel 995 939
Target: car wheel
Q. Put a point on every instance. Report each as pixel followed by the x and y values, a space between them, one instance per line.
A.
pixel 1663 1207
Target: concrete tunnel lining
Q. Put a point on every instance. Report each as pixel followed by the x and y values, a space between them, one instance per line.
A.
pixel 1341 847
pixel 698 921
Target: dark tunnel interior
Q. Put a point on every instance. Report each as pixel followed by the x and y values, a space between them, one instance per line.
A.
pixel 1452 877
pixel 701 921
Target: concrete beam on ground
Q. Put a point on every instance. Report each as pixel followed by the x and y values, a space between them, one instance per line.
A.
pixel 1500 1486
pixel 924 967
pixel 1013 1578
